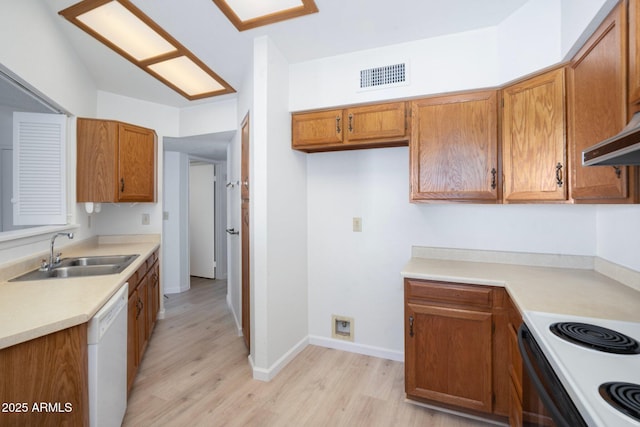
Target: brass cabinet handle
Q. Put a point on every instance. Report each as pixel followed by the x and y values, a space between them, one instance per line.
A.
pixel 338 130
pixel 494 184
pixel 122 185
pixel 410 326
pixel 350 122
pixel 559 174
pixel 618 171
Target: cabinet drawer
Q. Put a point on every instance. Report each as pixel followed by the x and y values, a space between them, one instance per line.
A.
pixel 447 293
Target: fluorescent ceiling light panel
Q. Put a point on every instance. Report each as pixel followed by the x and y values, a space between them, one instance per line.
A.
pixel 247 14
pixel 185 74
pixel 118 25
pixel 125 29
pixel 251 9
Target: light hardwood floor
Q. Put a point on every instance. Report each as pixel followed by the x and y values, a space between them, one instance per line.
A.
pixel 195 373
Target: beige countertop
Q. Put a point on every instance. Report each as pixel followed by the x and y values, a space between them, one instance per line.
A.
pixel 31 309
pixel 535 282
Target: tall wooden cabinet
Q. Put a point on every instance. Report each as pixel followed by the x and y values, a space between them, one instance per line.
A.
pixel 533 139
pixel 116 162
pixel 598 110
pixel 368 126
pixel 454 148
pixel 451 356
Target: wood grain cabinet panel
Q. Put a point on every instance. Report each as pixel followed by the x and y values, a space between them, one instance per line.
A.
pixel 634 55
pixel 454 148
pixel 317 129
pixel 116 162
pixel 144 305
pixel 455 338
pixel 368 126
pixel 533 139
pixel 449 356
pixel 52 369
pixel 598 110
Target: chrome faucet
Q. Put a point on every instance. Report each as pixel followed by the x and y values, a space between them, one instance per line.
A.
pixel 55 260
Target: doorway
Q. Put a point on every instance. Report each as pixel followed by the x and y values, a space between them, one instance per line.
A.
pixel 202 254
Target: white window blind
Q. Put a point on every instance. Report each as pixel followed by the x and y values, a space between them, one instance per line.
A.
pixel 39 189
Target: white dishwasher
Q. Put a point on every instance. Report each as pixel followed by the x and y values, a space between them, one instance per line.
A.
pixel 107 338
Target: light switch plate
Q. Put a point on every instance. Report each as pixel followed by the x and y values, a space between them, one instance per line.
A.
pixel 357 224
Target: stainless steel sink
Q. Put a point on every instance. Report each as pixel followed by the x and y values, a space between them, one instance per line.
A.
pixel 81 267
pixel 98 260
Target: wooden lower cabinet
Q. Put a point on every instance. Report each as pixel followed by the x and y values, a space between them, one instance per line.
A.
pixel 452 356
pixel 45 382
pixel 144 304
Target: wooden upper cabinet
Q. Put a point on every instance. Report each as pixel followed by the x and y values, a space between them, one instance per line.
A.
pixel 598 110
pixel 378 125
pixel 317 129
pixel 634 55
pixel 116 162
pixel 454 148
pixel 533 138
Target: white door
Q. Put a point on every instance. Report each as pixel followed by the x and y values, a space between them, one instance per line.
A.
pixel 201 220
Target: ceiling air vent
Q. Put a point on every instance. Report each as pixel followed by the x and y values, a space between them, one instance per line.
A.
pixel 380 77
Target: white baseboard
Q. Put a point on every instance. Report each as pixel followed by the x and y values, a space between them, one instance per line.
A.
pixel 235 318
pixel 367 350
pixel 268 374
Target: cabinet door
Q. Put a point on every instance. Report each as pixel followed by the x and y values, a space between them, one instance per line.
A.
pixel 533 138
pixel 597 110
pixel 377 123
pixel 454 148
pixel 132 339
pixel 52 369
pixel 317 129
pixel 153 297
pixel 97 159
pixel 634 54
pixel 448 356
pixel 141 318
pixel 136 165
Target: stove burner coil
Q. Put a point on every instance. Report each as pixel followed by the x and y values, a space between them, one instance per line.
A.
pixel 625 397
pixel 596 337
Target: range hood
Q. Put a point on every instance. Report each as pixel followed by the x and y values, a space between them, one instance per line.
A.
pixel 619 150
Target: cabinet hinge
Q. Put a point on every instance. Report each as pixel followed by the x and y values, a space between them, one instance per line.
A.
pixel 502 102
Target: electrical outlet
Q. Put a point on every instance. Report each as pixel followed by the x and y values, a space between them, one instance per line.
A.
pixel 146 220
pixel 357 224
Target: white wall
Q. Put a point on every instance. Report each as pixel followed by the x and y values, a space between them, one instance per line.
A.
pixel 212 117
pixel 279 219
pixel 175 248
pixel 357 274
pixel 580 18
pixel 618 232
pixel 33 50
pixel 529 39
pixel 443 64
